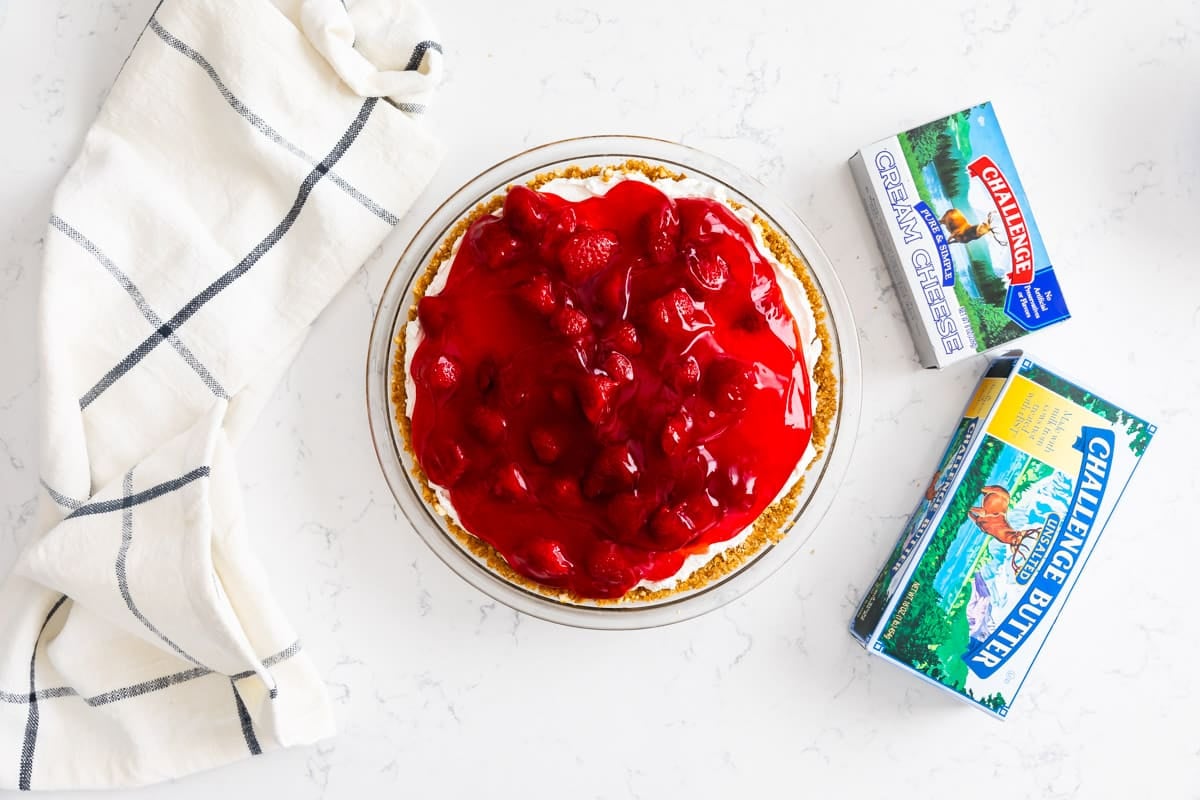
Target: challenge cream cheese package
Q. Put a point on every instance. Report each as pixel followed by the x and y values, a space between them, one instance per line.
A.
pixel 979 576
pixel 958 236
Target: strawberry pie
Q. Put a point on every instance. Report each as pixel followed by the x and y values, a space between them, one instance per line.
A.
pixel 613 382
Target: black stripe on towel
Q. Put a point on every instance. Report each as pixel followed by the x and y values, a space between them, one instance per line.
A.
pixel 22 698
pixel 123 578
pixel 144 496
pixel 60 498
pixel 247 724
pixel 408 108
pixel 139 300
pixel 261 125
pixel 252 258
pixel 145 687
pixel 29 744
pixel 418 54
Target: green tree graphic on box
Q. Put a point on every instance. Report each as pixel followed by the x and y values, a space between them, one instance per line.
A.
pixel 933 637
pixel 1138 430
pixel 995 702
pixel 956 442
pixel 922 142
pixel 945 145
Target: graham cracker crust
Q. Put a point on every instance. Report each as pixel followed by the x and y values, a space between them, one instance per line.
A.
pixel 771 526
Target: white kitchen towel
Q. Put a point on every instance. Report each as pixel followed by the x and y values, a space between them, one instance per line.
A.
pixel 248 159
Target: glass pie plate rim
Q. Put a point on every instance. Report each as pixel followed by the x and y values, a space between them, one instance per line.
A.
pixel 822 479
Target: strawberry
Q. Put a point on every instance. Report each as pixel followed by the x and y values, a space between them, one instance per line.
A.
pixel 510 483
pixel 674 311
pixel 537 294
pixel 614 469
pixel 619 367
pixel 494 242
pixel 488 424
pixel 734 486
pixel 445 462
pixel 545 559
pixel 546 445
pixel 585 253
pixel 707 269
pixel 559 225
pixel 627 512
pixel 675 431
pixel 768 299
pixel 433 312
pixel 684 376
pixel 565 492
pixel 672 527
pixel 609 569
pixel 525 211
pixel 731 382
pixel 595 397
pixel 662 233
pixel 671 438
pixel 612 291
pixel 695 467
pixel 626 339
pixel 443 373
pixel 705 227
pixel 570 322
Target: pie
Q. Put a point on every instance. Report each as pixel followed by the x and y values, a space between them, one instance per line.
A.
pixel 612 382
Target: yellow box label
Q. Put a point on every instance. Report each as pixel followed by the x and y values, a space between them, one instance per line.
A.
pixel 1041 423
pixel 985 397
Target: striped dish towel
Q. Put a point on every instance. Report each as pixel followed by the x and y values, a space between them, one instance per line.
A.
pixel 249 157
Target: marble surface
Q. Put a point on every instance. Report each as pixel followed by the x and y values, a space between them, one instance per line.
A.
pixel 440 692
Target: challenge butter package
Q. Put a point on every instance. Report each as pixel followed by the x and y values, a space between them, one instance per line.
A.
pixel 958 236
pixel 970 592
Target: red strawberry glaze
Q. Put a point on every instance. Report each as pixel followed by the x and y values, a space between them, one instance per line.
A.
pixel 605 387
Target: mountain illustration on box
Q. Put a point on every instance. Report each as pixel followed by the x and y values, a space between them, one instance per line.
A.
pixel 972 571
pixel 991 561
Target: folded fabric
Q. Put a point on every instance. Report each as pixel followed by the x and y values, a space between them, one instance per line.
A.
pixel 249 157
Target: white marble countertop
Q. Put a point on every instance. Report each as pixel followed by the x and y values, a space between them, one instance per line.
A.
pixel 440 692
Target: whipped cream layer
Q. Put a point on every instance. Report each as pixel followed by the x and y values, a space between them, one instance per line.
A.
pixel 794 295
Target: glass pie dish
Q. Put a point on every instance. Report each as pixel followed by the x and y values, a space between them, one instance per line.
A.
pixel 396 459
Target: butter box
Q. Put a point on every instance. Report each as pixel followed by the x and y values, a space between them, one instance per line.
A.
pixel 958 236
pixel 977 579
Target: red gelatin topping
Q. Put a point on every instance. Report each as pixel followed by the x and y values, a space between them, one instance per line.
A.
pixel 607 386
